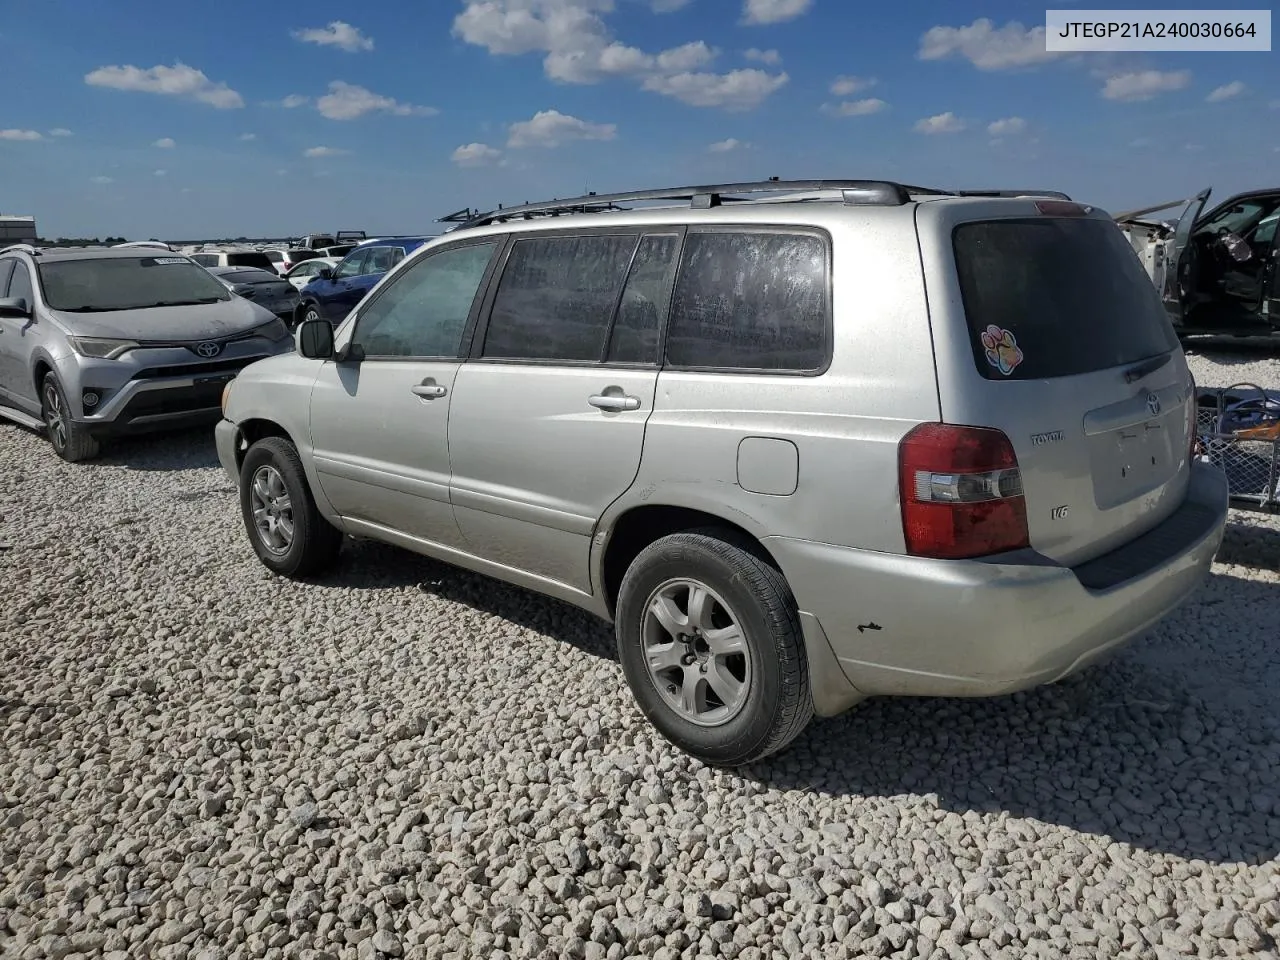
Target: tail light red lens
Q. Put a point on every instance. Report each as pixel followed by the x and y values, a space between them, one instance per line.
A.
pixel 961 492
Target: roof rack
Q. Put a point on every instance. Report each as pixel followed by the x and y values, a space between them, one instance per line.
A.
pixel 21 248
pixel 859 192
pixel 700 198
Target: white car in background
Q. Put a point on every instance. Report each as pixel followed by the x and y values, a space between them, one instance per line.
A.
pixel 300 274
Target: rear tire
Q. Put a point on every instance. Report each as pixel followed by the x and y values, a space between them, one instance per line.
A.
pixel 285 527
pixel 737 689
pixel 70 440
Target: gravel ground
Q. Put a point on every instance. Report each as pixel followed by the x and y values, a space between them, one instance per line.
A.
pixel 201 760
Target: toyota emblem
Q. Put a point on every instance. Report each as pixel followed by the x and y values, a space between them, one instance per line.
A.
pixel 210 349
pixel 1153 404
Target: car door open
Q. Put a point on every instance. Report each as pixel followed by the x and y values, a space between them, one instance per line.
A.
pixel 379 413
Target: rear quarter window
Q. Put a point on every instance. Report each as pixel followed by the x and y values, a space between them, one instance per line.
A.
pixel 1056 297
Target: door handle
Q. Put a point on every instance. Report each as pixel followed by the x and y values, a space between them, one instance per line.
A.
pixel 614 402
pixel 428 391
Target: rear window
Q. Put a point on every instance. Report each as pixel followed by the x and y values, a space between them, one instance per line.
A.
pixel 249 260
pixel 1056 297
pixel 297 256
pixel 275 256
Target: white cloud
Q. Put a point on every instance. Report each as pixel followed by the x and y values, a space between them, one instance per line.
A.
pixel 165 143
pixel 687 57
pixel 337 34
pixel 735 90
pixel 323 152
pixel 1144 84
pixel 550 128
pixel 773 11
pixel 843 86
pixel 940 123
pixel 1226 92
pixel 178 80
pixel 855 108
pixel 13 134
pixel 346 101
pixel 1006 127
pixel 160 173
pixel 986 46
pixel 578 46
pixel 60 132
pixel 101 180
pixel 727 146
pixel 248 136
pixel 294 100
pixel 770 58
pixel 475 155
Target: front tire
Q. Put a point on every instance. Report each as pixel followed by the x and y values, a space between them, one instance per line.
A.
pixel 70 440
pixel 710 642
pixel 285 527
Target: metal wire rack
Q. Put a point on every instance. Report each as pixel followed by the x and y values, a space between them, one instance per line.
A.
pixel 1239 431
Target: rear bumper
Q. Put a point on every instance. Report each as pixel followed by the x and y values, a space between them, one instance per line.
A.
pixel 910 626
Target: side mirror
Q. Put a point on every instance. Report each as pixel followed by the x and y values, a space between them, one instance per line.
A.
pixel 324 273
pixel 14 307
pixel 314 339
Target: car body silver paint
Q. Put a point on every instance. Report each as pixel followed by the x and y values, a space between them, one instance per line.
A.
pixel 539 479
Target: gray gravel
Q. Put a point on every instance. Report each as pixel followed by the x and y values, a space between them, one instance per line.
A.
pixel 201 760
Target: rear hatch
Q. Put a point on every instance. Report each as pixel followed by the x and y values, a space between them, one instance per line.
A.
pixel 1046 327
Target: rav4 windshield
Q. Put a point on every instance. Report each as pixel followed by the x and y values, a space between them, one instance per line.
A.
pixel 1056 297
pixel 126 283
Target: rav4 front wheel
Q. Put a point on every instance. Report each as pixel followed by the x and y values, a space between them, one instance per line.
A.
pixel 70 440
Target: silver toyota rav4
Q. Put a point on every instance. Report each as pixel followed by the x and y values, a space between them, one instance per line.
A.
pixel 803 443
pixel 96 342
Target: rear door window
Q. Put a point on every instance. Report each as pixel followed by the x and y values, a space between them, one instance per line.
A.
pixel 260 260
pixel 1056 297
pixel 751 300
pixel 557 296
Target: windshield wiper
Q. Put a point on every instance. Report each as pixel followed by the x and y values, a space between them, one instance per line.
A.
pixel 86 309
pixel 175 303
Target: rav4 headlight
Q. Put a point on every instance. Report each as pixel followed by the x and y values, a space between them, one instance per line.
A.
pixel 101 348
pixel 277 329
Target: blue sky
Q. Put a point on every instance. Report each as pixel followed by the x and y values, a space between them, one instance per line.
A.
pixel 194 120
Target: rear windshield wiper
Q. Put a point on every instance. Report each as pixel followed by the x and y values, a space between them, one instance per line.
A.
pixel 1145 368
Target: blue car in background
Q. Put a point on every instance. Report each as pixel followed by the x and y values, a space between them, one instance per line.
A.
pixel 335 291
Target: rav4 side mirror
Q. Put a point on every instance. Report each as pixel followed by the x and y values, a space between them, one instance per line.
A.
pixel 324 273
pixel 314 339
pixel 14 307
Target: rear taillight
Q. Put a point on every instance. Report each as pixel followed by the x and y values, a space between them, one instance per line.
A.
pixel 961 492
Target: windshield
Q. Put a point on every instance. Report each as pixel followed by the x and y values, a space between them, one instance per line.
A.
pixel 1070 296
pixel 127 283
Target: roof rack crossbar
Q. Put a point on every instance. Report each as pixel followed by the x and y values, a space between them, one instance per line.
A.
pixel 700 197
pixel 21 248
pixel 1052 194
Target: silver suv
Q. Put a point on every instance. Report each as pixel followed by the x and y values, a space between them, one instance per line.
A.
pixel 830 440
pixel 96 342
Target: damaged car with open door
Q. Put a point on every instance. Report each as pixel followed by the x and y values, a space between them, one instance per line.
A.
pixel 1217 271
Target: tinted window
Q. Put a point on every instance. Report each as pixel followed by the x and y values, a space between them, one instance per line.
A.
pixel 339 251
pixel 556 297
pixel 423 312
pixel 352 266
pixel 750 301
pixel 123 283
pixel 644 301
pixel 251 275
pixel 382 259
pixel 249 260
pixel 206 259
pixel 294 256
pixel 20 284
pixel 6 268
pixel 275 256
pixel 1056 297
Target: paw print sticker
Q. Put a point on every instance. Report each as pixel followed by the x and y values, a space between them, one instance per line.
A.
pixel 1001 348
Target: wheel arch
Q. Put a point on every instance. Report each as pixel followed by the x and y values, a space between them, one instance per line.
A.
pixel 253 429
pixel 636 527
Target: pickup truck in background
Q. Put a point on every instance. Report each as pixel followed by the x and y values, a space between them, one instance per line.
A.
pixel 1218 271
pixel 318 241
